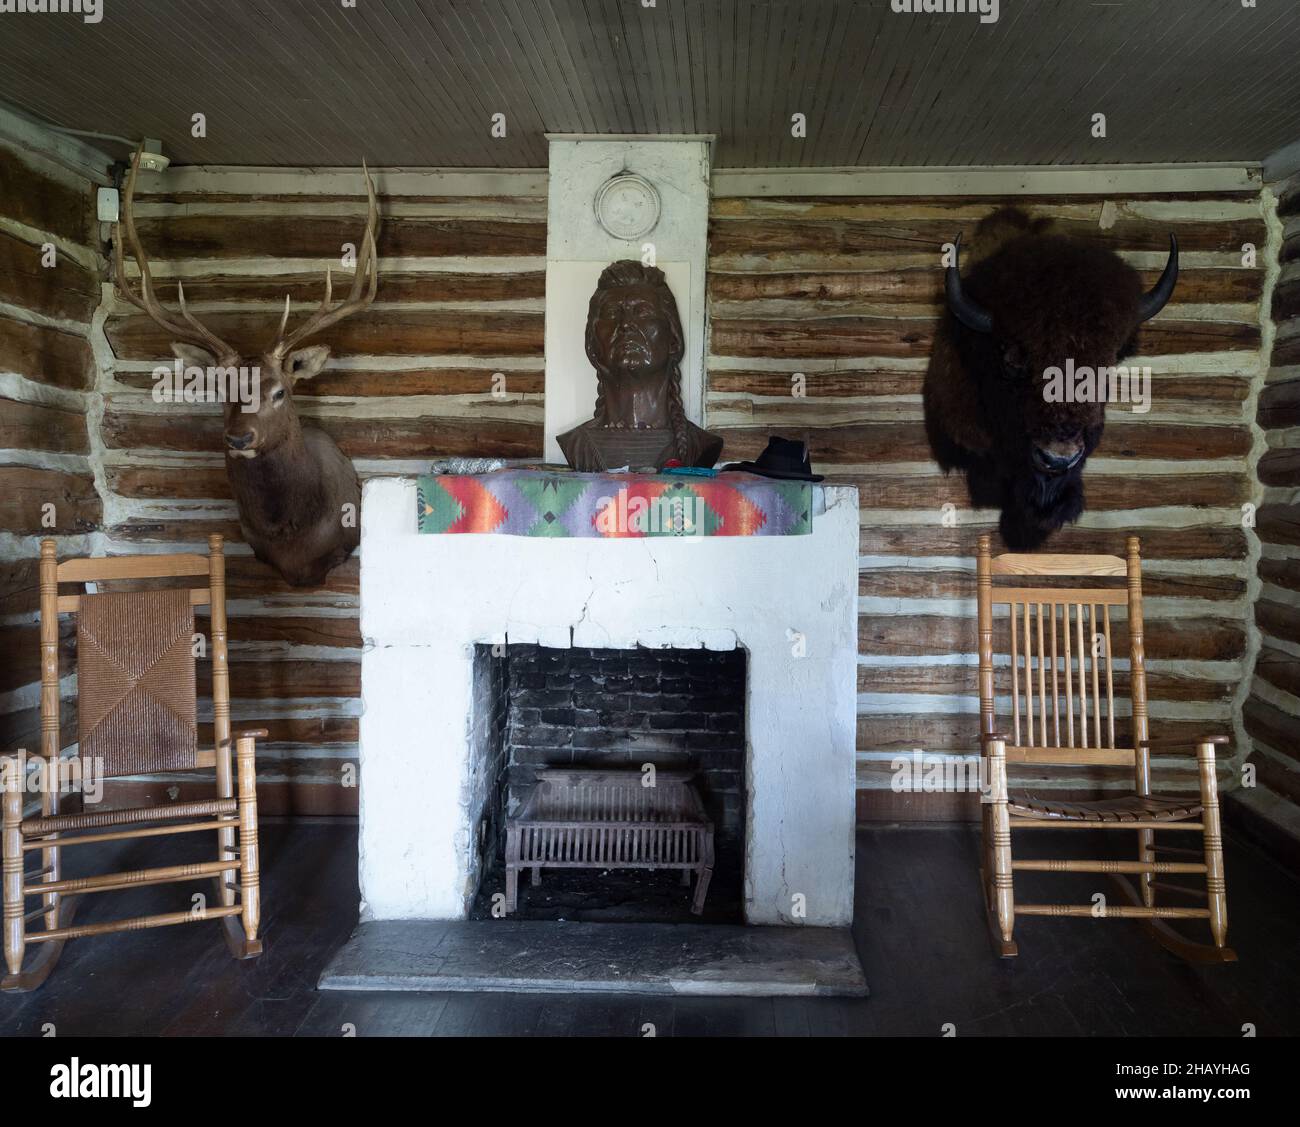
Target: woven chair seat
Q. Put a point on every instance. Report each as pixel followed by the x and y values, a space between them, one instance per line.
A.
pixel 1130 808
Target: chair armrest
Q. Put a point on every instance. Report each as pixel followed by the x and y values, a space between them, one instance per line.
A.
pixel 1183 744
pixel 993 737
pixel 247 733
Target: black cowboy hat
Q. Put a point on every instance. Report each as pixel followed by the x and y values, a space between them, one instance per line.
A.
pixel 785 458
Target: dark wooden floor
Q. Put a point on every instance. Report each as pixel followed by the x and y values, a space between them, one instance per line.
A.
pixel 919 927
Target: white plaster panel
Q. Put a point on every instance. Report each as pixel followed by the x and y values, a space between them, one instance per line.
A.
pixel 425 601
pixel 577 248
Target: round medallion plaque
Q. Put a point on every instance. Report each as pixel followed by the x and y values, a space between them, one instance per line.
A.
pixel 627 206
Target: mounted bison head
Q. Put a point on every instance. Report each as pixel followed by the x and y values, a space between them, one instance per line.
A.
pixel 1035 301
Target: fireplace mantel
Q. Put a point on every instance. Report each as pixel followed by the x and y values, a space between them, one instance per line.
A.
pixel 427 600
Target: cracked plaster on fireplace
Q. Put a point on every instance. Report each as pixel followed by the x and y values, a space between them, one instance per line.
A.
pixel 427 600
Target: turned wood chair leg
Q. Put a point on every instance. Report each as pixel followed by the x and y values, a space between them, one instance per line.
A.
pixel 250 868
pixel 1215 884
pixel 1003 894
pixel 14 775
pixel 986 848
pixel 536 878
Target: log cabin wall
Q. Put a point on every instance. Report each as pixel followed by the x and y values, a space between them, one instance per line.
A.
pixel 1272 711
pixel 822 310
pixel 842 290
pixel 448 361
pixel 50 274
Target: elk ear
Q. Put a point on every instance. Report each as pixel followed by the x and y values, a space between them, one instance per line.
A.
pixel 306 362
pixel 193 356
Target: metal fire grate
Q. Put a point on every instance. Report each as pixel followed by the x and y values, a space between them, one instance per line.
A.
pixel 581 819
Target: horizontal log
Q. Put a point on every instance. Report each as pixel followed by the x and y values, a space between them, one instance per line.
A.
pixel 1157 543
pixel 22 728
pixel 44 202
pixel 829 337
pixel 45 355
pixel 35 426
pixel 1286 301
pixel 1063 780
pixel 20 658
pixel 963 680
pixel 815 386
pixel 1103 492
pixel 923 286
pixel 1277 777
pixel 66 290
pixel 907 442
pixel 1288 201
pixel 1186 639
pixel 375 332
pixel 287 680
pixel 971 208
pixel 425 381
pixel 317 731
pixel 306 797
pixel 25 493
pixel 1280 466
pixel 1286 352
pixel 170 483
pixel 772 238
pixel 1278 523
pixel 1279 405
pixel 249 578
pixel 269 236
pixel 1278 668
pixel 1282 573
pixel 423 437
pixel 19 586
pixel 1290 249
pixel 1278 620
pixel 290 629
pixel 904 732
pixel 404 286
pixel 927 583
pixel 1269 724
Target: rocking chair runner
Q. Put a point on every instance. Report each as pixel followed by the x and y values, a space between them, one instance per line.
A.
pixel 1051 651
pixel 136 715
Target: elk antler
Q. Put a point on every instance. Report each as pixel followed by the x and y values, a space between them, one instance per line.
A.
pixel 193 332
pixel 366 271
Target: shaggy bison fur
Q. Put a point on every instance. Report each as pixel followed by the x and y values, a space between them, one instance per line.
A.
pixel 1032 299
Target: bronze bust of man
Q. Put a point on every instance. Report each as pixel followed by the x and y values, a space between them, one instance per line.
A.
pixel 635 342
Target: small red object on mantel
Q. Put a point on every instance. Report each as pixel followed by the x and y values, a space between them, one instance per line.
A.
pixel 672 463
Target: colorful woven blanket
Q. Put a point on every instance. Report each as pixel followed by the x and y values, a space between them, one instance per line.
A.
pixel 527 502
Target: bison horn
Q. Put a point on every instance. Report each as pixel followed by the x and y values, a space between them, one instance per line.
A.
pixel 966 311
pixel 1159 296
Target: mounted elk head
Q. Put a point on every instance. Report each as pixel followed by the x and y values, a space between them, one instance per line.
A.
pixel 1037 306
pixel 299 497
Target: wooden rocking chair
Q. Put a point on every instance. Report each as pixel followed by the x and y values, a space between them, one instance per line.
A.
pixel 136 690
pixel 1058 636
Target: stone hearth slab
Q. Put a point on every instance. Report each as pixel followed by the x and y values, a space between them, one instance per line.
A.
pixel 571 958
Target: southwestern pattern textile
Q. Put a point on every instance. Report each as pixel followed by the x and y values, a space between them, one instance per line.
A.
pixel 526 502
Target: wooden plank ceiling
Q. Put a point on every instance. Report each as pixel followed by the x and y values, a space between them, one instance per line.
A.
pixel 415 82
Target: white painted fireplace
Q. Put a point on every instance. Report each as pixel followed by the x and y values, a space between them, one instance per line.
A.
pixel 428 600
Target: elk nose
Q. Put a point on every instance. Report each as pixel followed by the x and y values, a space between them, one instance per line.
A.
pixel 1053 461
pixel 240 441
